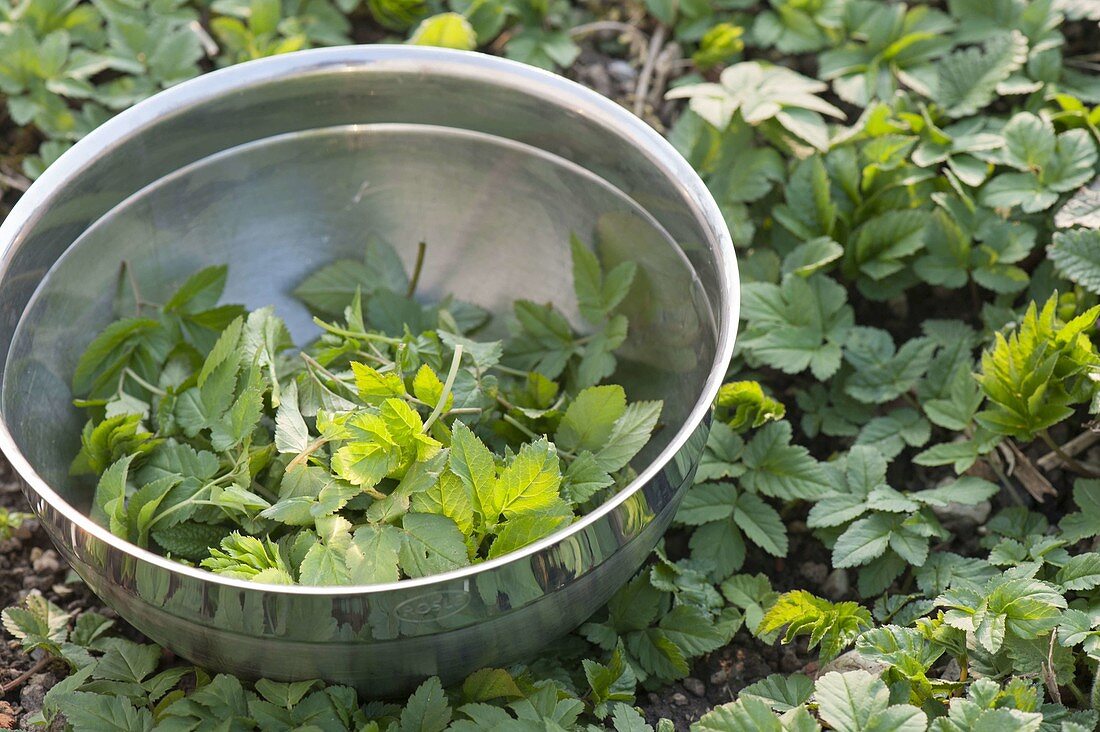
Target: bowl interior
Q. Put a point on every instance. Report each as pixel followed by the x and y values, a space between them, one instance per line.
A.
pixel 496 215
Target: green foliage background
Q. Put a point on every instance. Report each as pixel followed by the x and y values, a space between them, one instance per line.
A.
pixel 914 388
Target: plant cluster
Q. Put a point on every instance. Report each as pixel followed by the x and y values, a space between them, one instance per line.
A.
pixel 393 446
pixel 118 684
pixel 66 66
pixel 911 188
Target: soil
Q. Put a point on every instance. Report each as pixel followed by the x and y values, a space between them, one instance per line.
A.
pixel 29 562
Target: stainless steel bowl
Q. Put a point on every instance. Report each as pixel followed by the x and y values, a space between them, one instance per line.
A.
pixel 281 165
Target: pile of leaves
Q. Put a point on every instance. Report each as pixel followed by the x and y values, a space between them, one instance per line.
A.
pixel 911 189
pixel 353 461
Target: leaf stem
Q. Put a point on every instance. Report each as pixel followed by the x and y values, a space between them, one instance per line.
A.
pixel 1078 694
pixel 531 435
pixel 145 384
pixel 262 491
pixel 510 371
pixel 357 335
pixel 133 286
pixel 372 357
pixel 314 365
pixel 519 426
pixel 306 452
pixel 456 361
pixel 192 500
pixel 421 247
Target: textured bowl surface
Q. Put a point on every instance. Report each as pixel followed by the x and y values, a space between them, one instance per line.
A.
pixel 280 166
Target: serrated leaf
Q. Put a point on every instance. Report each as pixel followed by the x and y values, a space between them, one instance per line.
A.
pixel 590 418
pixel 967 79
pixel 127 661
pixel 372 556
pixel 761 524
pixel 89 712
pixel 856 700
pixel 427 709
pixel 528 484
pixel 473 463
pixel 779 469
pixel 782 693
pixel 1076 256
pixel 432 544
pixel 629 434
pixel 865 539
pixel 520 531
pixel 1081 572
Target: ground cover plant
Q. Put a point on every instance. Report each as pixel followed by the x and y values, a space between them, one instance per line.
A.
pixel 896 522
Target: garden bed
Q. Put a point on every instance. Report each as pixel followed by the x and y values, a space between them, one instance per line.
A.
pixel 901 500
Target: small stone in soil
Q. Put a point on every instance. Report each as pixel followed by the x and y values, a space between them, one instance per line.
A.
pixel 679 699
pixel 621 71
pixel 816 572
pixel 853 661
pixel 47 562
pixel 836 585
pixel 789 661
pixel 32 694
pixel 959 517
pixel 695 686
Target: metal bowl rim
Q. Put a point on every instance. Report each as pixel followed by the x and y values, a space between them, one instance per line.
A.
pixel 444 62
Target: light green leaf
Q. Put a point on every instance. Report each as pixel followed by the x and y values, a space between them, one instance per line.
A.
pixel 590 418
pixel 372 557
pixel 448 30
pixel 520 531
pixel 529 483
pixel 473 463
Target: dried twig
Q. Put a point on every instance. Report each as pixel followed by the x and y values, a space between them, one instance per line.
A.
pixel 666 64
pixel 1001 467
pixel 1048 673
pixel 209 45
pixel 14 180
pixel 22 678
pixel 609 26
pixel 1025 471
pixel 641 92
pixel 1073 448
